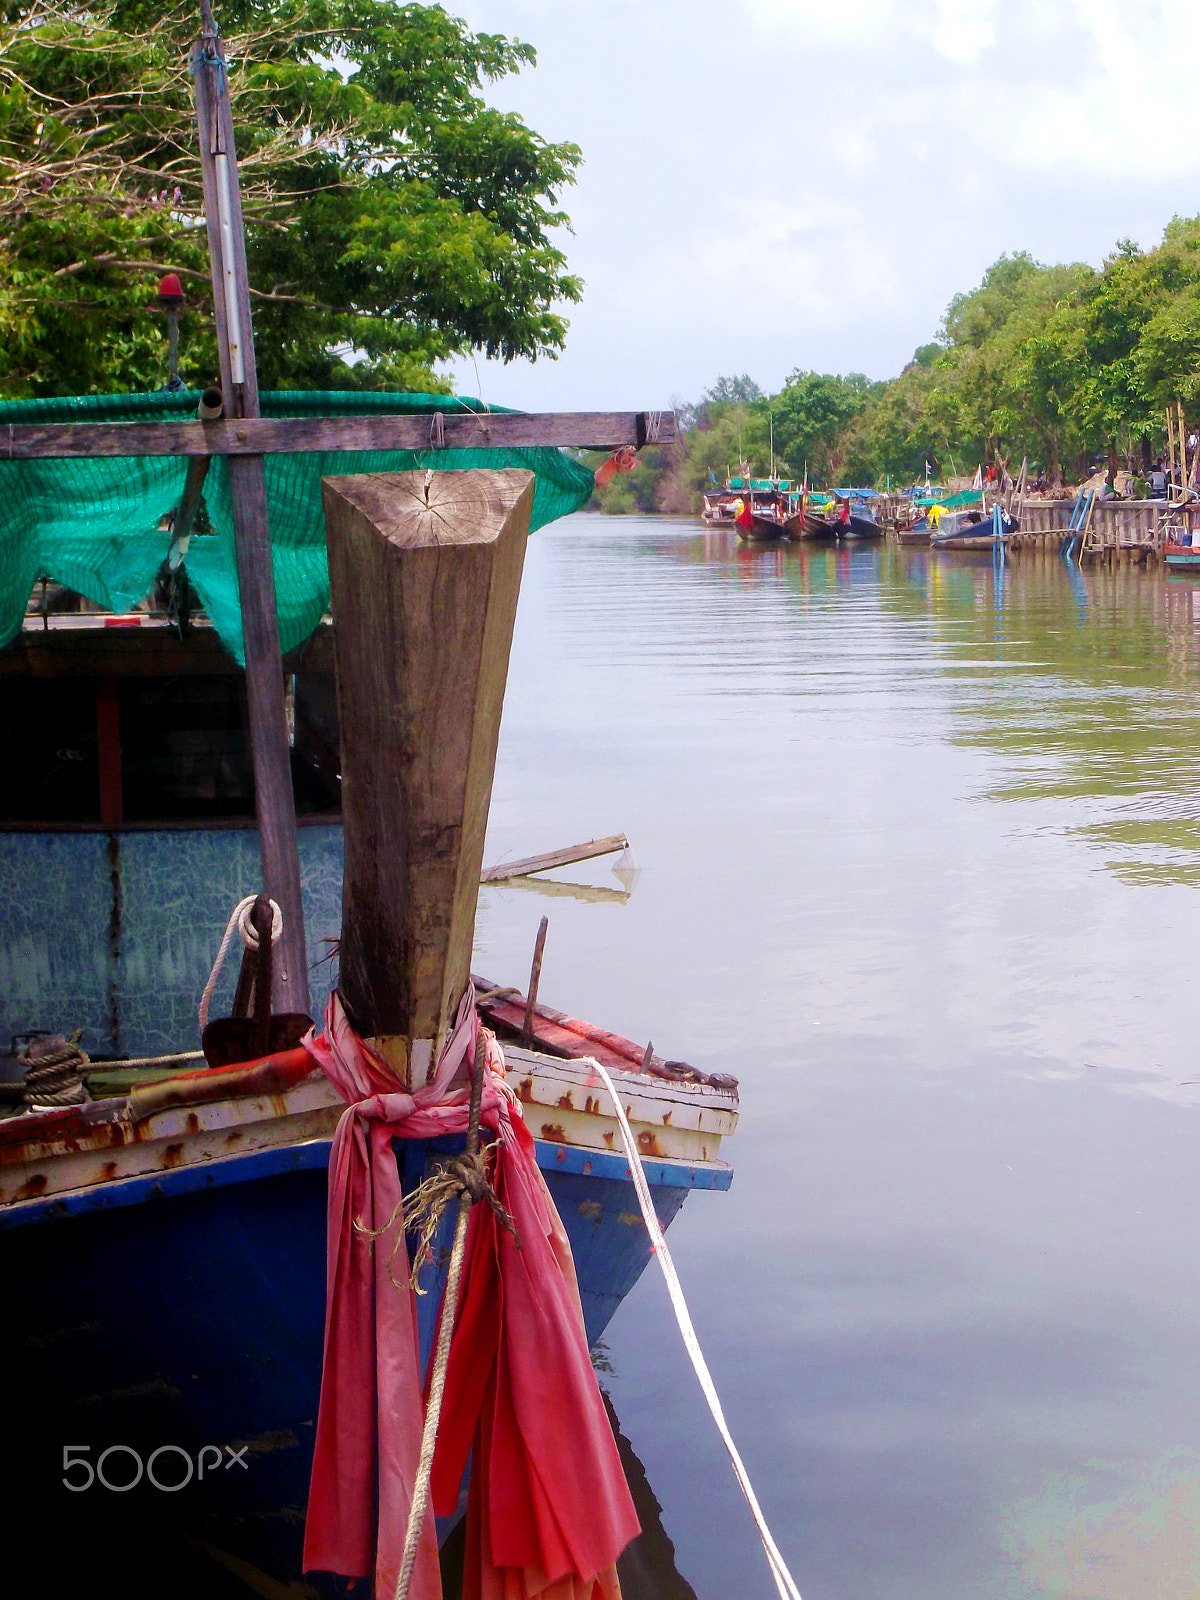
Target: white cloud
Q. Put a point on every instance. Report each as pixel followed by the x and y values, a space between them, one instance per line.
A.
pixel 807 182
pixel 964 29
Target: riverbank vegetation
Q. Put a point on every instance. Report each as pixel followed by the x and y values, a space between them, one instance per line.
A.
pixel 1070 366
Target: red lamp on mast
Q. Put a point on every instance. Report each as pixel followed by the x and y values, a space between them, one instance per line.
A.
pixel 169 299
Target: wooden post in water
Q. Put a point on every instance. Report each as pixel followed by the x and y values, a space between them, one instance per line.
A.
pixel 424 571
pixel 273 802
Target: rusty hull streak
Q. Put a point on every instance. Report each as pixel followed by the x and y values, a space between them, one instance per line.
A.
pixel 550 1130
pixel 193 1122
pixel 172 1156
pixel 33 1186
pixel 632 1219
pixel 609 1137
pixel 565 1103
pixel 592 1209
pixel 647 1144
pixel 525 1090
pixel 108 1171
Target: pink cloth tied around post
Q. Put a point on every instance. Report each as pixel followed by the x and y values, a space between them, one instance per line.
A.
pixel 525 1342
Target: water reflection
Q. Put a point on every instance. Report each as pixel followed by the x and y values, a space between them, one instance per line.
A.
pixel 1120 647
pixel 920 841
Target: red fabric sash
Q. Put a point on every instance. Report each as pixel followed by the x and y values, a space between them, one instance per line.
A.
pixel 549 1509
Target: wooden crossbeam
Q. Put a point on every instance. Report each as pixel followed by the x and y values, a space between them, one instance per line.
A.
pixel 258 436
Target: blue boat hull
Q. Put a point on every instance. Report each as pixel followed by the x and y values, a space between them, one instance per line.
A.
pixel 187 1310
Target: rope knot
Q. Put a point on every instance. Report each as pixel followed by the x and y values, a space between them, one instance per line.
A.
pixel 421 1212
pixel 471 1174
pixel 54 1072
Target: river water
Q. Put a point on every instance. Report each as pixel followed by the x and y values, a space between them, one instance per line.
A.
pixel 919 853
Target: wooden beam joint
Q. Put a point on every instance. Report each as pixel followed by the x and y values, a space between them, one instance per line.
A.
pixel 251 436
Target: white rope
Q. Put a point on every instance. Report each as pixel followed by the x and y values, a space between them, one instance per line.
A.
pixel 239 921
pixel 139 1062
pixel 784 1581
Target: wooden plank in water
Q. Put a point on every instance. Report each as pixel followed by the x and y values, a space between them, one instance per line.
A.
pixel 555 858
pixel 425 570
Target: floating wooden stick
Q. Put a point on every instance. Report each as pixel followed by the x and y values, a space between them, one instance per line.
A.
pixel 555 858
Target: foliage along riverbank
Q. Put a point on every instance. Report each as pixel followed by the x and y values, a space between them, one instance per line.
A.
pixel 1068 365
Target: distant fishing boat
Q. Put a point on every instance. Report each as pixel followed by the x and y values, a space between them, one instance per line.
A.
pixel 919 532
pixel 973 530
pixel 821 517
pixel 838 514
pixel 1178 557
pixel 860 519
pixel 754 508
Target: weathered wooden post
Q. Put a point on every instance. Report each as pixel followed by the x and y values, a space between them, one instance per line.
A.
pixel 273 803
pixel 424 571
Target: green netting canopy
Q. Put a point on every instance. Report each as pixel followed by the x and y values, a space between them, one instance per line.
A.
pixel 93 524
pixel 950 502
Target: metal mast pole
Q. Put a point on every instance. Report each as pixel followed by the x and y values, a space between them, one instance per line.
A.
pixel 248 492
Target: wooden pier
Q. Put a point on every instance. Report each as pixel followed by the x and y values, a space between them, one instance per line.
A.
pixel 1133 530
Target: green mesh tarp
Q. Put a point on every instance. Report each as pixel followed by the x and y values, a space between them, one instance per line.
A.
pixel 93 524
pixel 951 502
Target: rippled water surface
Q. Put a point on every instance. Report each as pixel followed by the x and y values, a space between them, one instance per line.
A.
pixel 920 863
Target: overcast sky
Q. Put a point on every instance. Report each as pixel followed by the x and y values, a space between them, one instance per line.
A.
pixel 773 184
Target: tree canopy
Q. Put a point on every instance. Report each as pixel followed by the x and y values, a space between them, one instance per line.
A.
pixel 394 219
pixel 1063 364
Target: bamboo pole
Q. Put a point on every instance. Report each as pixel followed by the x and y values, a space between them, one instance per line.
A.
pixel 273 800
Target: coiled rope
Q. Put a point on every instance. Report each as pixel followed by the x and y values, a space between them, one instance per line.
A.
pixel 239 921
pixel 784 1581
pixel 54 1072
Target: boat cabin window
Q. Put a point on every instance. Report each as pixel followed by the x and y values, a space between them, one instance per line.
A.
pixel 107 747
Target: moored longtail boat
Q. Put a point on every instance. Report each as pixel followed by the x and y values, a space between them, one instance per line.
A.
pixel 170 1238
pixel 755 508
pixel 181 1209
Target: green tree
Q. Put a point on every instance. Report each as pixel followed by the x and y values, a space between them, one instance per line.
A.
pixel 394 219
pixel 733 389
pixel 812 413
pixel 891 436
